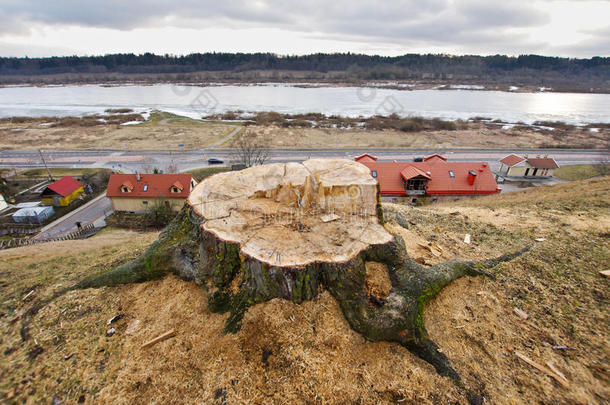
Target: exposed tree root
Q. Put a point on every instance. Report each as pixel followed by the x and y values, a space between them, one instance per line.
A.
pixel 235 282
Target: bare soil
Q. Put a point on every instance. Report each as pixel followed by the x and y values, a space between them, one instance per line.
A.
pixel 287 353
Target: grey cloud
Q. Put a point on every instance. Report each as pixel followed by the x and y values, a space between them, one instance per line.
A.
pixel 463 24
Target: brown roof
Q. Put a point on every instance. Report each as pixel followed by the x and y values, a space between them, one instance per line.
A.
pixel 512 160
pixel 543 163
pixel 389 176
pixel 156 185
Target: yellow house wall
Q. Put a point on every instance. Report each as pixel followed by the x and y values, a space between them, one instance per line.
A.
pixel 516 171
pixel 520 172
pixel 64 201
pixel 137 204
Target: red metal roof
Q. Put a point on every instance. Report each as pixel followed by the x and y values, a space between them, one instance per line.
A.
pixel 390 178
pixel 158 185
pixel 127 184
pixel 543 163
pixel 365 157
pixel 410 172
pixel 64 186
pixel 434 156
pixel 512 160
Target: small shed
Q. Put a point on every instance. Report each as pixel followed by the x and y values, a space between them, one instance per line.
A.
pixel 33 215
pixel 62 192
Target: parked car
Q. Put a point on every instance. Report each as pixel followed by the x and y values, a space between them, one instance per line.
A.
pixel 215 161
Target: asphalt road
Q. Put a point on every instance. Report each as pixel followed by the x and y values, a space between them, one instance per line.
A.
pixel 87 214
pixel 130 161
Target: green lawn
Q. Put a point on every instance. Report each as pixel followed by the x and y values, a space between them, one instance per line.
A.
pixel 580 172
pixel 202 173
pixel 57 172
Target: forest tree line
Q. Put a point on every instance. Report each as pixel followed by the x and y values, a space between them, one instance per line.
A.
pixel 151 63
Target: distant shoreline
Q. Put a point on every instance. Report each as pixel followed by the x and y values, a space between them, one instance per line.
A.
pixel 403 85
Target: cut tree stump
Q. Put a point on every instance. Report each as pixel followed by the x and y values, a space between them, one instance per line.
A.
pixel 264 232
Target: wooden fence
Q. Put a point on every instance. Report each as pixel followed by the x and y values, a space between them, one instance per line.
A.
pixel 23 229
pixel 12 243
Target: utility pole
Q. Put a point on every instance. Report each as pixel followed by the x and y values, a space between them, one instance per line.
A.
pixel 45 165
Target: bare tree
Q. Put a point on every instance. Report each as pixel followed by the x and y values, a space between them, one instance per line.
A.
pixel 171 168
pixel 603 167
pixel 251 151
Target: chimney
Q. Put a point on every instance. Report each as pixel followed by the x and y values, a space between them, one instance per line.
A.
pixel 471 177
pixel 137 176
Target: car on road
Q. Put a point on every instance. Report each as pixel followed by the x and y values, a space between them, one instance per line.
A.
pixel 215 161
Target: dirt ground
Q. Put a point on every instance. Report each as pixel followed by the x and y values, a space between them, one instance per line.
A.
pixel 287 353
pixel 477 135
pixel 150 135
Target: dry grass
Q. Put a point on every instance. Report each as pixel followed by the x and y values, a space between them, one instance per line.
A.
pixel 164 131
pixel 287 353
pixel 154 134
pixel 477 135
pixel 581 172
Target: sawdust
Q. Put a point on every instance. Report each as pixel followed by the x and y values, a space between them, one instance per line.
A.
pixel 418 247
pixel 284 354
pixel 377 280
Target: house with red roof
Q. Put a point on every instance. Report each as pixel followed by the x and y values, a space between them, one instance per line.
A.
pixel 431 176
pixel 62 192
pixel 139 192
pixel 517 166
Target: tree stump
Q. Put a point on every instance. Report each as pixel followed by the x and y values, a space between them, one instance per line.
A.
pixel 290 230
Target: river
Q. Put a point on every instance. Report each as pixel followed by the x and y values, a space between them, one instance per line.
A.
pixel 195 101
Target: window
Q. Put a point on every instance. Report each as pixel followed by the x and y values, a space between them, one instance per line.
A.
pixel 374 173
pixel 124 189
pixel 145 188
pixel 451 174
pixel 175 189
pixel 145 202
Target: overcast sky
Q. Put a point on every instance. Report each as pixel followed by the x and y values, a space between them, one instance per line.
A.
pixel 91 27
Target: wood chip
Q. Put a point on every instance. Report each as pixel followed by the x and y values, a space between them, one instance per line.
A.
pixel 27 295
pixel 605 273
pixel 132 327
pixel 521 314
pixel 329 217
pixel 467 239
pixel 160 338
pixel 562 381
pixel 540 239
pixel 556 371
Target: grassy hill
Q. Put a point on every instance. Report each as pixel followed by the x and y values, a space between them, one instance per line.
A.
pixel 307 353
